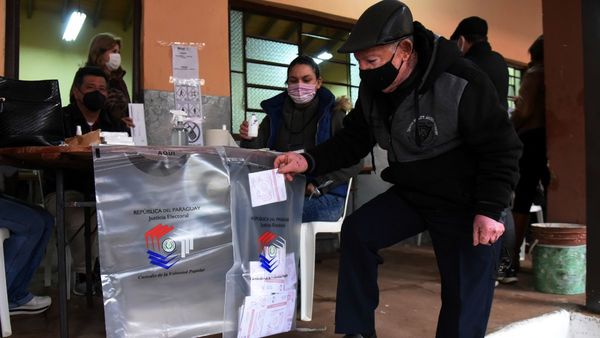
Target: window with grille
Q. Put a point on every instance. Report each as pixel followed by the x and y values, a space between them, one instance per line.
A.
pixel 514 84
pixel 261 47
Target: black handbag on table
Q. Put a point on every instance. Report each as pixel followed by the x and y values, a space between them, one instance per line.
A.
pixel 30 113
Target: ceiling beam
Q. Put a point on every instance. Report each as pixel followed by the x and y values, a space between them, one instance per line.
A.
pixel 267 27
pixel 128 19
pixel 97 12
pixel 29 9
pixel 65 9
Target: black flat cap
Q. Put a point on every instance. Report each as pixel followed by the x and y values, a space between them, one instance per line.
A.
pixel 384 22
pixel 472 25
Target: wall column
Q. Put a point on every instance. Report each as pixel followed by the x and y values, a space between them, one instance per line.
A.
pixel 591 55
pixel 573 120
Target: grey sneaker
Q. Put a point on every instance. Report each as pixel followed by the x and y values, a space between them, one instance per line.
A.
pixel 79 289
pixel 510 276
pixel 37 304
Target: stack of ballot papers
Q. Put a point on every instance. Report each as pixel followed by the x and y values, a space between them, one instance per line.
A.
pixel 116 138
pixel 270 307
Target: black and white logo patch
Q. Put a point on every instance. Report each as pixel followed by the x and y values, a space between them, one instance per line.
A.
pixel 426 129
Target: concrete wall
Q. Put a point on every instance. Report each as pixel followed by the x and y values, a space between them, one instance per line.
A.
pixel 513 24
pixel 565 118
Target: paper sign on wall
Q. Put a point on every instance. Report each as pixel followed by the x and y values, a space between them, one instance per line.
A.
pixel 188 96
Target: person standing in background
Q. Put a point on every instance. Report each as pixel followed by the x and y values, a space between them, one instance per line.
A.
pixel 529 120
pixel 105 53
pixel 471 37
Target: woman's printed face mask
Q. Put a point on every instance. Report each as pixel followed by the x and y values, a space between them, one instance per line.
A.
pixel 302 92
pixel 302 83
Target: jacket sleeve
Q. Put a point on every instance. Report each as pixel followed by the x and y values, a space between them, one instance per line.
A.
pixel 342 175
pixel 488 133
pixel 524 104
pixel 346 148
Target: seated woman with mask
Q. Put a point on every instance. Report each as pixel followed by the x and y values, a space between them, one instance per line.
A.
pixel 300 118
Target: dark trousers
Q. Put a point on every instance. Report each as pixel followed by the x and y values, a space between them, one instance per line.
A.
pixel 467 272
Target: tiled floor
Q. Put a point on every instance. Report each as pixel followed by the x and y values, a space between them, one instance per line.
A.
pixel 409 302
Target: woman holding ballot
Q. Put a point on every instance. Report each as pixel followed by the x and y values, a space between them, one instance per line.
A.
pixel 300 118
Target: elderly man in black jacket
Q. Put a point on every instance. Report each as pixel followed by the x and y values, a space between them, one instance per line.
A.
pixel 453 158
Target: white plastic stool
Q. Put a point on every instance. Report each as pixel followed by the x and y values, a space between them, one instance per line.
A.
pixel 539 214
pixel 4 312
pixel 308 232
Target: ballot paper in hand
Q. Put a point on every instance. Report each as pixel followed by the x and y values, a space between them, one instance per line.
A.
pixel 266 187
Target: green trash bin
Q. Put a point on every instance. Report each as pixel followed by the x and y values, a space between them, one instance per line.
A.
pixel 559 258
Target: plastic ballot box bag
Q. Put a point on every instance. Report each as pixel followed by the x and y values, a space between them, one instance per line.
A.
pixel 183 252
pixel 266 216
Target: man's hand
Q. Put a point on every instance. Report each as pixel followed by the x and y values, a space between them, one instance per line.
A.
pixel 486 231
pixel 290 164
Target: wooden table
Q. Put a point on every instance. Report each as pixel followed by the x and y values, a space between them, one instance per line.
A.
pixel 57 158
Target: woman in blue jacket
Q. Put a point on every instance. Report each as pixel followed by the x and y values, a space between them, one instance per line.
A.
pixel 300 118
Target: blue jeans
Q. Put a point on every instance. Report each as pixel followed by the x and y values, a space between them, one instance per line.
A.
pixel 30 228
pixel 324 208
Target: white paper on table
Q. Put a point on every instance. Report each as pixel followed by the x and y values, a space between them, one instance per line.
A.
pixel 185 62
pixel 267 315
pixel 266 187
pixel 138 133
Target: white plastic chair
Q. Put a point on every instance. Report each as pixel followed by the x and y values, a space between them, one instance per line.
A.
pixel 539 215
pixel 308 233
pixel 4 312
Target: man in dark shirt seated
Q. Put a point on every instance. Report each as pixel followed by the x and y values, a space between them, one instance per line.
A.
pixel 86 109
pixel 88 95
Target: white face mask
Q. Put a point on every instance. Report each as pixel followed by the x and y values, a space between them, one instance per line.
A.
pixel 114 61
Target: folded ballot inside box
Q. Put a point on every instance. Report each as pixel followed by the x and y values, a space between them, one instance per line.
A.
pixel 116 138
